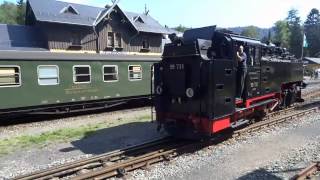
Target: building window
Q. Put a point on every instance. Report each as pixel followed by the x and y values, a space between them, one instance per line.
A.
pixel 110 73
pixel 145 44
pixel 114 40
pixel 75 39
pixel 110 40
pixel 118 42
pixel 10 76
pixel 48 75
pixel 81 74
pixel 135 72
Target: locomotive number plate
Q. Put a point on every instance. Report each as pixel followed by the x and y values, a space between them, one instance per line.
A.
pixel 178 67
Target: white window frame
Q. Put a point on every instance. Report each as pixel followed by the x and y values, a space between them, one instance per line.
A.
pixel 74 74
pixel 129 72
pixel 20 79
pixel 103 73
pixel 48 66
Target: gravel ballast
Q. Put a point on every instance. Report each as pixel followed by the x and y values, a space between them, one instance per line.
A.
pixel 126 129
pixel 257 155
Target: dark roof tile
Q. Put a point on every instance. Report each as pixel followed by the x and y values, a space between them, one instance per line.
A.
pixel 16 37
pixel 52 11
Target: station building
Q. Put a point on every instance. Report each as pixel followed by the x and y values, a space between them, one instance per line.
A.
pixel 58 26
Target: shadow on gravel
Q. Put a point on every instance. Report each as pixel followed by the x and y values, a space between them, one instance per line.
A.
pixel 260 174
pixel 115 138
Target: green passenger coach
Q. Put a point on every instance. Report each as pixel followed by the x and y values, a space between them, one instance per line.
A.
pixel 62 82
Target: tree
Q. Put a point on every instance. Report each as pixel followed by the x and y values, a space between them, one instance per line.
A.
pixel 296 36
pixel 21 12
pixel 181 28
pixel 312 32
pixel 11 13
pixel 282 33
pixel 250 31
pixel 8 13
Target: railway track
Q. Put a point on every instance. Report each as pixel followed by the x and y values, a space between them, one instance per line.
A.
pixel 118 163
pixel 309 172
pixel 276 120
pixel 312 94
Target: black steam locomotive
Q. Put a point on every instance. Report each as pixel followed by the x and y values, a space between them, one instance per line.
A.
pixel 196 83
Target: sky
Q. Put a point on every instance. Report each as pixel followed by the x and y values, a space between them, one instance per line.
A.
pixel 224 13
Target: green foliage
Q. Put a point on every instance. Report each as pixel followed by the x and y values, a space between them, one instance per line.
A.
pixel 250 31
pixel 181 28
pixel 8 13
pixel 312 31
pixel 296 35
pixel 282 33
pixel 11 13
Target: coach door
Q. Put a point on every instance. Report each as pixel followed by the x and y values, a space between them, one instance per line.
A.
pixel 254 70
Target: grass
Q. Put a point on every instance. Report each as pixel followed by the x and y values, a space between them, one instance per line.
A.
pixel 13 144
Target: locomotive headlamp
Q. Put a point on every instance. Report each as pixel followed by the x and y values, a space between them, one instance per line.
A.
pixel 189 92
pixel 159 90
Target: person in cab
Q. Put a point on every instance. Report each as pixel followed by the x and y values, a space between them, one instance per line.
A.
pixel 242 70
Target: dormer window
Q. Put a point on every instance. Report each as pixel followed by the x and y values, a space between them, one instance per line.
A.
pixel 69 10
pixel 138 19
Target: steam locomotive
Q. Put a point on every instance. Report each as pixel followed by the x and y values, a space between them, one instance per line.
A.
pixel 196 83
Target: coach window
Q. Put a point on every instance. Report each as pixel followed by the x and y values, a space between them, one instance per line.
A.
pixel 48 75
pixel 135 72
pixel 81 74
pixel 110 73
pixel 10 76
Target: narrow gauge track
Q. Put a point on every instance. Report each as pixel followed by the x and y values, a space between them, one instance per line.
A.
pixel 273 121
pixel 119 162
pixel 308 172
pixel 311 94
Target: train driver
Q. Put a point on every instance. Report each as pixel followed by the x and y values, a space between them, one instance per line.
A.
pixel 242 70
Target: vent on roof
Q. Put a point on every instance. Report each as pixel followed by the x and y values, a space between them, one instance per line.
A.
pixel 138 19
pixel 69 10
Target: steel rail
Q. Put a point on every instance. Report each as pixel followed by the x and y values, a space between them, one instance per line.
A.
pixel 308 172
pixel 275 121
pixel 113 156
